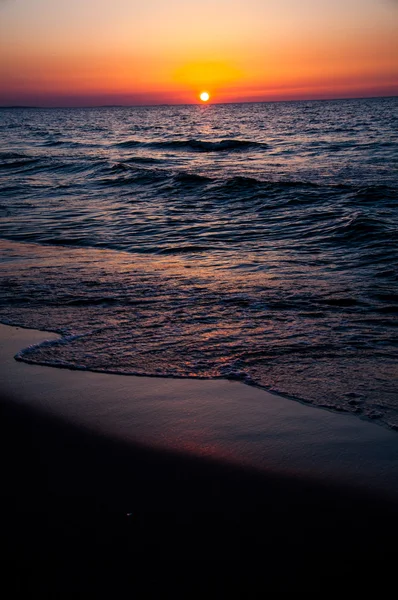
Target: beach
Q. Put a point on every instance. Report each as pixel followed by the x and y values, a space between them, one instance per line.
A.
pixel 198 299
pixel 198 343
pixel 105 468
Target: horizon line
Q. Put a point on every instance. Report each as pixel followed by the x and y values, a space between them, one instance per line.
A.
pixel 32 106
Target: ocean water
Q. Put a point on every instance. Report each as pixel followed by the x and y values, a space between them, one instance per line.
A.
pixel 250 241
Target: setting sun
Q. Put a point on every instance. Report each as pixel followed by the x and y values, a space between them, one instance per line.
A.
pixel 66 54
pixel 204 96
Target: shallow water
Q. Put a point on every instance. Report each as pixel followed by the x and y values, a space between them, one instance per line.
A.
pixel 256 241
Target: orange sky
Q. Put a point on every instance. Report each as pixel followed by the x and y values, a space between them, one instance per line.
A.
pixel 90 52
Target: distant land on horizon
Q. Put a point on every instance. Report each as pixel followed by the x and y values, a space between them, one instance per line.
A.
pixel 27 106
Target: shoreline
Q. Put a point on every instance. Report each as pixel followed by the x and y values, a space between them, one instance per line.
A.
pixel 103 473
pixel 219 419
pixel 358 384
pixel 56 335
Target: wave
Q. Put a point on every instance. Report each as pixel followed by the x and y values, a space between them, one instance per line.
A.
pixel 68 143
pixel 191 179
pixel 126 176
pixel 17 162
pixel 143 171
pixel 196 145
pixel 207 146
pixel 122 174
pixel 295 191
pixel 53 143
pixel 11 155
pixel 375 193
pixel 145 160
pixel 128 144
pixel 360 227
pixel 188 249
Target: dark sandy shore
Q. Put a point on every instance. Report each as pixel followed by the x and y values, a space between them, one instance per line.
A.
pixel 79 504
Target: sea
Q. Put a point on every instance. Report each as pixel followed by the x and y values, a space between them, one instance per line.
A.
pixel 254 242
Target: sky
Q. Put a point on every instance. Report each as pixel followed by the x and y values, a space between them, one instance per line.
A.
pixel 96 52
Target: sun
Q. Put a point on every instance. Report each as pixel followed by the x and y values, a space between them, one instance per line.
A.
pixel 204 96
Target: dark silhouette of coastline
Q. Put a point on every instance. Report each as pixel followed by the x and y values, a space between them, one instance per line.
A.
pixel 19 106
pixel 213 102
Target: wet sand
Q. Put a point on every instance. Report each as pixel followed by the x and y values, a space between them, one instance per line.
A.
pixel 102 472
